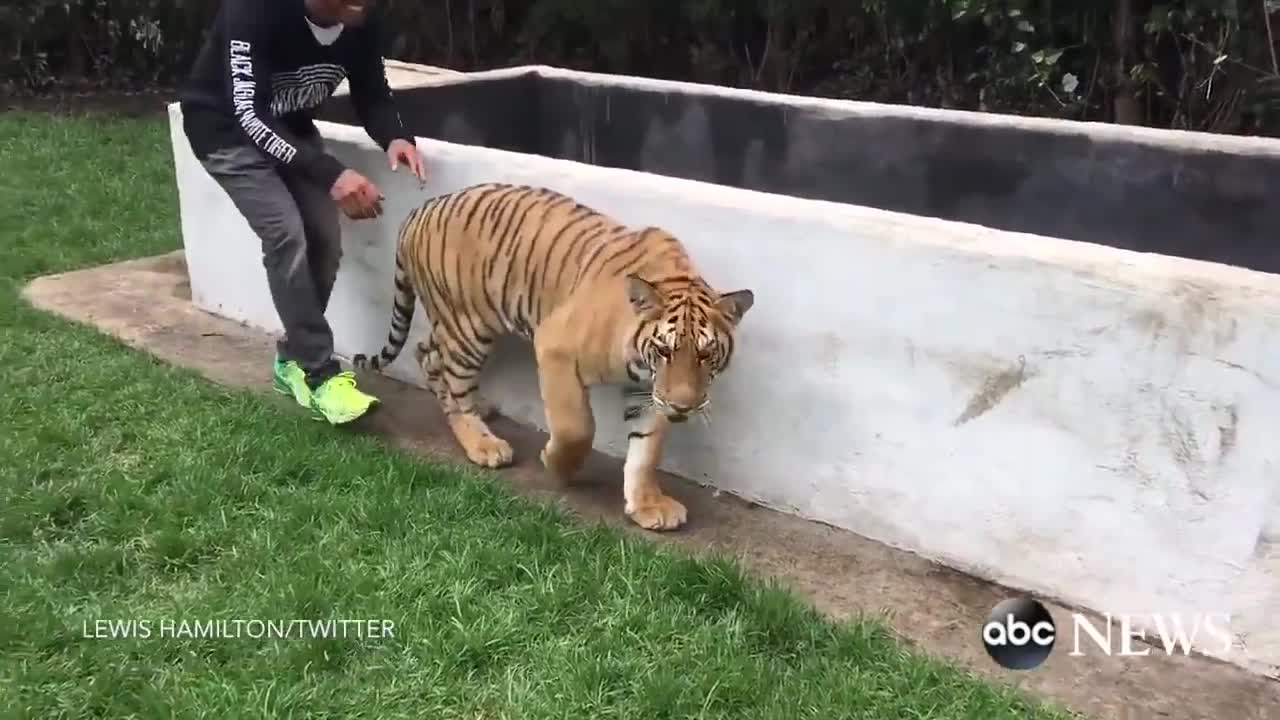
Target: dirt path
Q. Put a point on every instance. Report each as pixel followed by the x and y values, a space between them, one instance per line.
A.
pixel 146 304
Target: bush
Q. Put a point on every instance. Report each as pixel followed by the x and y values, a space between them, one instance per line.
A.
pixel 1191 64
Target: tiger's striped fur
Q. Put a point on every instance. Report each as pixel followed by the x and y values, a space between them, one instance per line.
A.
pixel 602 303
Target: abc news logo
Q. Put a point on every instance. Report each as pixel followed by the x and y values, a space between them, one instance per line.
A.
pixel 1019 634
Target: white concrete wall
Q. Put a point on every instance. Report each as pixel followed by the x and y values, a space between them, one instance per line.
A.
pixel 1130 467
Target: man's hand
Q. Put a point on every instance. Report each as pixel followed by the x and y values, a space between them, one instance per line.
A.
pixel 403 151
pixel 359 198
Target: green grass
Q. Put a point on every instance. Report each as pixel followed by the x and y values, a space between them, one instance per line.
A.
pixel 131 490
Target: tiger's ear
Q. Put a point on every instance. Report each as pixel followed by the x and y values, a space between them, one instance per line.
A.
pixel 643 295
pixel 735 304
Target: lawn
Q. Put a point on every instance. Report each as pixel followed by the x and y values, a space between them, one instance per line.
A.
pixel 135 491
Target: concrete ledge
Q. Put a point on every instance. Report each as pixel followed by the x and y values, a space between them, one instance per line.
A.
pixel 1087 423
pixel 406 76
pixel 146 304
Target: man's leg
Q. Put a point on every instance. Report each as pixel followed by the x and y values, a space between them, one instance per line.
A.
pixel 337 397
pixel 305 364
pixel 320 221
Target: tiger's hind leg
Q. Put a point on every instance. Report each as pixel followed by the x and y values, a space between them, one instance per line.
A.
pixel 428 356
pixel 458 363
pixel 427 353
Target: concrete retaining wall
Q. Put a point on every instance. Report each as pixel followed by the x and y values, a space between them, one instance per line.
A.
pixel 1194 195
pixel 1080 421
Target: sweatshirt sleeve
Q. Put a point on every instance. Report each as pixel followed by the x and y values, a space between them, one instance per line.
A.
pixel 249 83
pixel 371 95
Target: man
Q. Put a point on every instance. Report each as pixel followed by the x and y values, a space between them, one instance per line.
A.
pixel 247 112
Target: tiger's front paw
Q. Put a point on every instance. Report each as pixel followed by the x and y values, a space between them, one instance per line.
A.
pixel 658 513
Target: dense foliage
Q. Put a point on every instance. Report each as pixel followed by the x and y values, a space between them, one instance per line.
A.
pixel 1194 64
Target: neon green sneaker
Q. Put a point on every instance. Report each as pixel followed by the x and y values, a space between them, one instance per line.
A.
pixel 290 379
pixel 338 401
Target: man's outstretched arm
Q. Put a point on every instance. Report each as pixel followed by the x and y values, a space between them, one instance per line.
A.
pixel 371 96
pixel 376 107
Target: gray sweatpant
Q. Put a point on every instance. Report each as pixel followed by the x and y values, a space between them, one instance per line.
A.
pixel 297 222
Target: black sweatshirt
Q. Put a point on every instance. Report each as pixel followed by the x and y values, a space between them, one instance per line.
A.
pixel 262 74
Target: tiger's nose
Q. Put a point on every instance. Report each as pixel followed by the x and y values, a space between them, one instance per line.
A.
pixel 678 413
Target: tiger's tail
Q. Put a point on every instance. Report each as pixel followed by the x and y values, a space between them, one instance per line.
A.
pixel 401 312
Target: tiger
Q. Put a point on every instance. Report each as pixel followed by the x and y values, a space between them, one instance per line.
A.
pixel 602 303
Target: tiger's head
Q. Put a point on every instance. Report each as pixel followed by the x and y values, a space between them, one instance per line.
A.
pixel 685 336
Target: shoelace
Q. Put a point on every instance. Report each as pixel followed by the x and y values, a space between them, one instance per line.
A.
pixel 346 377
